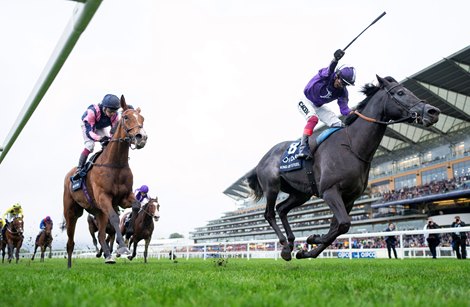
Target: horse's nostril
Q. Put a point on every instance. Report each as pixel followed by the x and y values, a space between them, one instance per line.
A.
pixel 434 111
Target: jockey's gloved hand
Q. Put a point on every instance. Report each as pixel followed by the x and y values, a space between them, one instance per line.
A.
pixel 104 140
pixel 338 54
pixel 345 110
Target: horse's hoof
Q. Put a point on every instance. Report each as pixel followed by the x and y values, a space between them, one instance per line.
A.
pixel 110 260
pixel 123 250
pixel 130 257
pixel 286 253
pixel 313 239
pixel 118 255
pixel 301 254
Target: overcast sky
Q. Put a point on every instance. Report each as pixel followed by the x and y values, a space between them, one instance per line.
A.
pixel 217 82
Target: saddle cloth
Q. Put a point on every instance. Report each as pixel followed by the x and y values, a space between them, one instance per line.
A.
pixel 289 161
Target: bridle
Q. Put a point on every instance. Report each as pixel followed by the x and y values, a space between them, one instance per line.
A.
pixel 144 209
pixel 128 138
pixel 9 228
pixel 413 115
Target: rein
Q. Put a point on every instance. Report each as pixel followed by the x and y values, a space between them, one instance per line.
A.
pixel 14 232
pixel 128 138
pixel 148 213
pixel 413 115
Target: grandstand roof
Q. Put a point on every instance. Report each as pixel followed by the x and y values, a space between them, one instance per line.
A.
pixel 446 85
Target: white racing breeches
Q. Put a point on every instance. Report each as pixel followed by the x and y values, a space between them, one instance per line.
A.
pixel 308 109
pixel 89 143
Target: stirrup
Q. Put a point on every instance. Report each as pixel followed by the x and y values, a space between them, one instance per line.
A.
pixel 304 155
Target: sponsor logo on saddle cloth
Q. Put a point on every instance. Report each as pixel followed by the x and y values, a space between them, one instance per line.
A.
pixel 289 161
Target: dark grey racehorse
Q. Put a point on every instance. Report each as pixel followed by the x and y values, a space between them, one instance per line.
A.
pixel 341 163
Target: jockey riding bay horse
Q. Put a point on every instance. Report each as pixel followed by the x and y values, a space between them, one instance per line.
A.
pixel 108 184
pixel 341 163
pixel 144 226
pixel 93 228
pixel 13 239
pixel 44 240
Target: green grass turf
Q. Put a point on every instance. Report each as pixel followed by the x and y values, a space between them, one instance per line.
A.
pixel 239 282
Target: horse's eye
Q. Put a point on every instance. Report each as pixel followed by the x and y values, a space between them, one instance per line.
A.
pixel 126 117
pixel 401 93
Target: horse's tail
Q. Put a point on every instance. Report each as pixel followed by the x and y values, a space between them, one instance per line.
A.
pixel 253 183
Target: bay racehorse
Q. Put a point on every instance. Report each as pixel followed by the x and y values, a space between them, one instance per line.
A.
pixel 341 163
pixel 110 234
pixel 44 241
pixel 13 239
pixel 144 226
pixel 108 184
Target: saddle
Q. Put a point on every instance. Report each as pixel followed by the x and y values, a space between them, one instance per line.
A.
pixel 290 162
pixel 77 183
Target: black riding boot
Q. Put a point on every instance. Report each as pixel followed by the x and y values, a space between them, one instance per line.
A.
pixel 304 150
pixel 133 216
pixel 81 163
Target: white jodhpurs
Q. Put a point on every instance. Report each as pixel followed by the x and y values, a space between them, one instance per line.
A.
pixel 308 109
pixel 89 143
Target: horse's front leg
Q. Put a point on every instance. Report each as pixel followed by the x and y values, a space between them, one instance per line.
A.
pixel 114 221
pixel 134 250
pixel 112 238
pixel 34 253
pixel 147 242
pixel 43 250
pixel 102 219
pixel 340 224
pixel 283 208
pixel 10 252
pixel 17 253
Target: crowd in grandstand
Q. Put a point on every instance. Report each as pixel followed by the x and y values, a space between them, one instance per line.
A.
pixel 434 187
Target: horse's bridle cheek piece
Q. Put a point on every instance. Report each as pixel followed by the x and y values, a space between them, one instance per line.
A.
pixel 412 115
pixel 128 138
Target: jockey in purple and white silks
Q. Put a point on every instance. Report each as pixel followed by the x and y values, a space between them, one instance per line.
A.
pixel 324 87
pixel 95 120
pixel 142 194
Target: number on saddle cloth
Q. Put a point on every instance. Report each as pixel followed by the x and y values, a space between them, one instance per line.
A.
pixel 76 184
pixel 289 161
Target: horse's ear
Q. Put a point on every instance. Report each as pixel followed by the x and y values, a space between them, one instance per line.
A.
pixel 382 82
pixel 123 103
pixel 138 110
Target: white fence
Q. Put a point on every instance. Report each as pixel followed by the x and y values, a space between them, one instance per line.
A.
pixel 271 248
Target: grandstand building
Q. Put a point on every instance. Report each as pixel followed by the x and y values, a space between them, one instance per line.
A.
pixel 415 173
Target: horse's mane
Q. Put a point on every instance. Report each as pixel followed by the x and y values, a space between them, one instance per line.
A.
pixel 369 89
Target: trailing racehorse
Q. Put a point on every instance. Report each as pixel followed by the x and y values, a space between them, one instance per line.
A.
pixel 44 240
pixel 108 184
pixel 144 226
pixel 13 239
pixel 93 228
pixel 341 163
